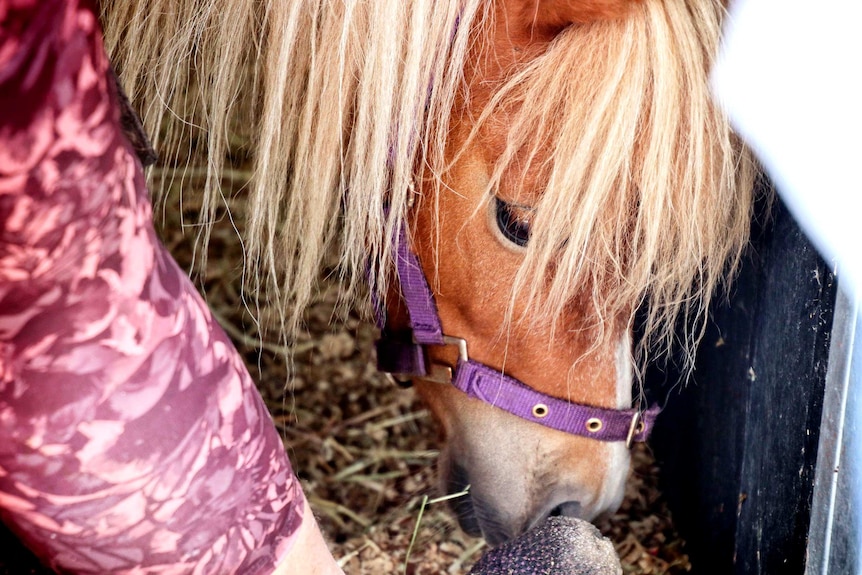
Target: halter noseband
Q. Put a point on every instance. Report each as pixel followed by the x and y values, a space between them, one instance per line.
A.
pixel 405 359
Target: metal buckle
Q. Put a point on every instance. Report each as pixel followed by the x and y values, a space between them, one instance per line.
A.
pixel 462 346
pixel 635 427
pixel 442 373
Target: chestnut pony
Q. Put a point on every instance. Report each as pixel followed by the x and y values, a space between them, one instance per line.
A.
pixel 557 164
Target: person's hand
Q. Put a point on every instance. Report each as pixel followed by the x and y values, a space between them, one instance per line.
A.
pixel 559 546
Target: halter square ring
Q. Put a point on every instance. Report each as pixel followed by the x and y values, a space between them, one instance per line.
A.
pixel 440 373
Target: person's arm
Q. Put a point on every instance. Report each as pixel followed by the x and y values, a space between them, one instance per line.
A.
pixel 131 435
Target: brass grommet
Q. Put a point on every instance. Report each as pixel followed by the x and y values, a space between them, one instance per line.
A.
pixel 594 425
pixel 540 410
pixel 640 428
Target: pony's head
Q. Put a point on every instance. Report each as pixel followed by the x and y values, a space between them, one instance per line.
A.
pixel 558 165
pixel 585 171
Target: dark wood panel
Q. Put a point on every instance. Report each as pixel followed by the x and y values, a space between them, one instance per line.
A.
pixel 738 445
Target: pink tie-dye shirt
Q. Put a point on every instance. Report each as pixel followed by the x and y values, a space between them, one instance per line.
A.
pixel 132 439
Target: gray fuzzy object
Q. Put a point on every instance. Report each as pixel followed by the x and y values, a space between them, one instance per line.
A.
pixel 559 546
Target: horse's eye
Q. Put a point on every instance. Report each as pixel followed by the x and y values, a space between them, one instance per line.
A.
pixel 512 224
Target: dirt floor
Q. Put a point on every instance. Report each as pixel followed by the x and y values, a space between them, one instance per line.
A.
pixel 365 449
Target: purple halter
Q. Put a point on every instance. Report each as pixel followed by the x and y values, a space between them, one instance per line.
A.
pixel 405 360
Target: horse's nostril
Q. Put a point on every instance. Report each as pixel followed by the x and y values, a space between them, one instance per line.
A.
pixel 567 509
pixel 457 481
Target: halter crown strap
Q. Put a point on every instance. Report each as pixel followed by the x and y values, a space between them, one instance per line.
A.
pixel 424 319
pixel 407 359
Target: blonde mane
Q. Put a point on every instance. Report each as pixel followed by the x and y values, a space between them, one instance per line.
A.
pixel 648 192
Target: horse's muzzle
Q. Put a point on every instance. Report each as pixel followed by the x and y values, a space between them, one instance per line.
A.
pixel 479 518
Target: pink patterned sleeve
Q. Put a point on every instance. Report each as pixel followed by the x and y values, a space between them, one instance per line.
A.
pixel 132 439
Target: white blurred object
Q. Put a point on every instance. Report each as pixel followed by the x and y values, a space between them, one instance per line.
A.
pixel 790 76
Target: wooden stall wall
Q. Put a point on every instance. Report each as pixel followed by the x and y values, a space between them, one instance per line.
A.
pixel 738 445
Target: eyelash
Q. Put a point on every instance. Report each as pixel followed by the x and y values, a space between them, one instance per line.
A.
pixel 515 230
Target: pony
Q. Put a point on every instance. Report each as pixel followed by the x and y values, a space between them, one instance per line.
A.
pixel 557 169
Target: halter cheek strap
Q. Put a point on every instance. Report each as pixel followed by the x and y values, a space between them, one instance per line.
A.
pixel 405 359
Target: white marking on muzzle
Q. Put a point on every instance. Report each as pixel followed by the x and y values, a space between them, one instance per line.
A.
pixel 619 458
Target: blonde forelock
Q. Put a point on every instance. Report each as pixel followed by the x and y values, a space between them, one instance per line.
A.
pixel 647 192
